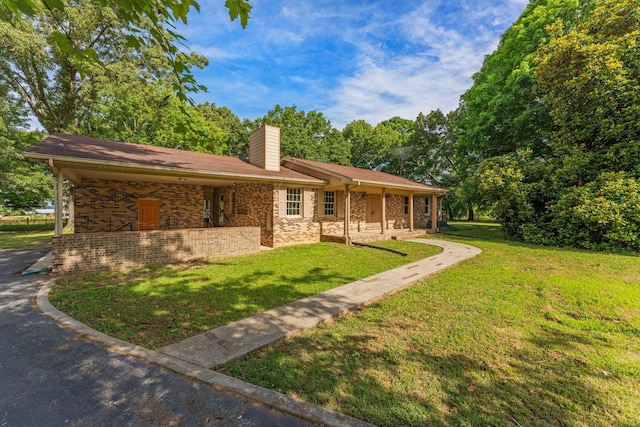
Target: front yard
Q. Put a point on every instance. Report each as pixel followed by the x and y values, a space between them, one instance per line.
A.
pixel 520 335
pixel 156 306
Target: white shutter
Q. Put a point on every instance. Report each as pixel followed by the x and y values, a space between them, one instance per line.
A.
pixel 282 202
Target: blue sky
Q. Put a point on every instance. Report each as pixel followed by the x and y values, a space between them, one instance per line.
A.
pixel 348 59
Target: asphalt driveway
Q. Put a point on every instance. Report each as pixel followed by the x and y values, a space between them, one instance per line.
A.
pixel 50 376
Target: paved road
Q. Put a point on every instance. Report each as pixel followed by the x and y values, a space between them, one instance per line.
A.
pixel 50 377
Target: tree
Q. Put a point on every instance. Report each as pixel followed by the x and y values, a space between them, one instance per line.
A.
pixel 584 190
pixel 155 117
pixel 307 135
pixel 235 132
pixel 62 91
pixel 398 132
pixel 361 136
pixel 369 145
pixel 141 21
pixel 590 76
pixel 24 185
pixel 502 112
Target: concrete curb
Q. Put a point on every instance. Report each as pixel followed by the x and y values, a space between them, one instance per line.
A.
pixel 358 294
pixel 301 409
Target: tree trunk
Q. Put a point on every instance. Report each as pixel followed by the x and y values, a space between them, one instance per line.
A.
pixel 471 216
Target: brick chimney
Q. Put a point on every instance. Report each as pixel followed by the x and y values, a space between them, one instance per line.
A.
pixel 264 147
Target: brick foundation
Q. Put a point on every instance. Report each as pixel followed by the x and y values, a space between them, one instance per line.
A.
pixel 91 252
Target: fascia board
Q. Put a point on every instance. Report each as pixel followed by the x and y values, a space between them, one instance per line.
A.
pixel 77 163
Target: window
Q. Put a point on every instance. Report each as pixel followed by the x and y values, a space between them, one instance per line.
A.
pixel 406 205
pixel 329 203
pixel 294 198
pixel 427 205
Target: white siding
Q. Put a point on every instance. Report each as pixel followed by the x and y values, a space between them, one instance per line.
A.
pixel 264 147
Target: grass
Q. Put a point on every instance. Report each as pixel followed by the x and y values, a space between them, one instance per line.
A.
pixel 520 335
pixel 153 307
pixel 25 239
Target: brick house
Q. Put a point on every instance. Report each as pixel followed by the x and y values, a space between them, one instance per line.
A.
pixel 138 204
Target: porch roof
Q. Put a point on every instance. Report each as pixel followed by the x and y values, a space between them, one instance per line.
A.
pixel 338 174
pixel 82 157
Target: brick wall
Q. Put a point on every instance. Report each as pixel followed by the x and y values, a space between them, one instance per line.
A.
pixel 90 252
pixel 253 207
pixel 107 205
pixel 420 219
pixel 289 230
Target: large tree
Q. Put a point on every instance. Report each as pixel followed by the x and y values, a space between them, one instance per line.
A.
pixel 235 132
pixel 590 77
pixel 583 190
pixel 61 90
pixel 502 112
pixel 370 145
pixel 23 185
pixel 141 21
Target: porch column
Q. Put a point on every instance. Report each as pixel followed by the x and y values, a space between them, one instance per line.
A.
pixel 58 207
pixel 347 213
pixel 411 211
pixel 383 213
pixel 434 212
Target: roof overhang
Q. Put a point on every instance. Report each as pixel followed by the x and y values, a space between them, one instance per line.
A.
pixel 76 169
pixel 338 181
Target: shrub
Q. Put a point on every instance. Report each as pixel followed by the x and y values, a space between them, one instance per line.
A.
pixel 602 215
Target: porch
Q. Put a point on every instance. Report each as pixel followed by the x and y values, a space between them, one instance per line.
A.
pixel 375 236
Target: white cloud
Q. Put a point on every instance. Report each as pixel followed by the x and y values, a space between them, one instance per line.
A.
pixel 434 71
pixel 368 60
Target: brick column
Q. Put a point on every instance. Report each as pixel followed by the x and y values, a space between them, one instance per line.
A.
pixel 434 212
pixel 347 212
pixel 58 184
pixel 411 211
pixel 383 213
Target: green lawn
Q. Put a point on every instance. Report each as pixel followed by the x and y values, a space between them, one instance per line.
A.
pixel 520 335
pixel 25 239
pixel 153 307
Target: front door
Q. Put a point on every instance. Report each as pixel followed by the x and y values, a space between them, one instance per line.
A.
pixel 373 211
pixel 147 214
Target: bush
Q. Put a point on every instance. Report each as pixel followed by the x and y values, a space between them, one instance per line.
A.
pixel 602 215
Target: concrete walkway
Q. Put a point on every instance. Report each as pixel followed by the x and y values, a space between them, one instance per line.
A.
pixel 231 341
pixel 195 356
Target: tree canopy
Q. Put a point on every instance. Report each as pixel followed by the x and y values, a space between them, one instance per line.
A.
pixel 581 189
pixel 141 22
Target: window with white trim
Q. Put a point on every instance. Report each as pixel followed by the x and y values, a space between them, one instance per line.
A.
pixel 329 203
pixel 427 205
pixel 406 205
pixel 294 200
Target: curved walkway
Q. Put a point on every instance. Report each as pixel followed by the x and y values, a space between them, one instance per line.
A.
pixel 194 356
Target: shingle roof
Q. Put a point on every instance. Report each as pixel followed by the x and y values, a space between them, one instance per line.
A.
pixel 360 175
pixel 61 146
